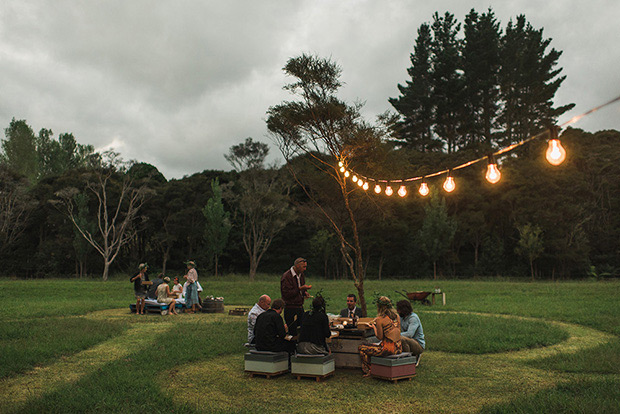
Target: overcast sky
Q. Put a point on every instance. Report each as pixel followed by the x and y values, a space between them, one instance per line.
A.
pixel 175 84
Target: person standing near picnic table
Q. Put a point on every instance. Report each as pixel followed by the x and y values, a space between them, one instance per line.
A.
pixel 387 328
pixel 163 296
pixel 294 291
pixel 138 288
pixel 191 294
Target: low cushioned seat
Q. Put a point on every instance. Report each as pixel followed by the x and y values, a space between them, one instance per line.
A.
pixel 398 356
pixel 265 362
pixel 312 365
pixel 393 366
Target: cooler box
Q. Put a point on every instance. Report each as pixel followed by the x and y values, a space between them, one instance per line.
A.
pixel 312 365
pixel 394 366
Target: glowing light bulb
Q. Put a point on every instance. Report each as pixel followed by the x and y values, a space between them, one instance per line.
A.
pixel 360 183
pixel 556 154
pixel 449 184
pixel 365 186
pixel 346 174
pixel 341 169
pixel 340 164
pixel 493 175
pixel 377 188
pixel 402 191
pixel 354 178
pixel 388 191
pixel 423 189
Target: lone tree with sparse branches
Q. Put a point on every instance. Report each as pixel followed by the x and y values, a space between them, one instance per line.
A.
pixel 119 198
pixel 321 130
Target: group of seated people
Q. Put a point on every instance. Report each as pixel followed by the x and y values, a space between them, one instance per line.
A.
pixel 397 330
pixel 159 289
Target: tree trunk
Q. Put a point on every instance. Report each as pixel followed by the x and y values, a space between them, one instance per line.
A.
pixel 532 269
pixel 434 270
pixel 381 265
pixel 106 270
pixel 216 261
pixel 253 266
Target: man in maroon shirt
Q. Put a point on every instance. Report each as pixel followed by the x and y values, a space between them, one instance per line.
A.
pixel 294 290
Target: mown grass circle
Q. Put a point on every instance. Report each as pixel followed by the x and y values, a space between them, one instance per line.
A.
pixel 469 333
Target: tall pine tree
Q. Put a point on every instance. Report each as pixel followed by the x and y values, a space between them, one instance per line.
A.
pixel 528 81
pixel 416 104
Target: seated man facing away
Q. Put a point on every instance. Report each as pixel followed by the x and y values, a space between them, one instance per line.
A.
pixel 269 330
pixel 412 335
pixel 260 307
pixel 351 309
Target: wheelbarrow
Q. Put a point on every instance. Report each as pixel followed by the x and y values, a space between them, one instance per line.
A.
pixel 419 296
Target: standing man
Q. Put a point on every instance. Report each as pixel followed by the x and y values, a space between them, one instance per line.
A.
pixel 263 304
pixel 351 310
pixel 294 291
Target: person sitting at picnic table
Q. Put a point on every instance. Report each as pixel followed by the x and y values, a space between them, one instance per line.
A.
pixel 139 289
pixel 191 293
pixel 261 306
pixel 177 288
pixel 387 328
pixel 270 332
pixel 163 296
pixel 411 332
pixel 314 329
pixel 351 310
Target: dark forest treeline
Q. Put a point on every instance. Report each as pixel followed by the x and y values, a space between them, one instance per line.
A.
pixel 575 206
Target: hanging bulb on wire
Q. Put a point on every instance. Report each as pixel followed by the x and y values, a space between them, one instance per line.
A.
pixel 360 182
pixel 340 164
pixel 423 190
pixel 556 154
pixel 354 178
pixel 388 191
pixel 449 185
pixel 347 174
pixel 377 188
pixel 402 191
pixel 493 175
pixel 365 186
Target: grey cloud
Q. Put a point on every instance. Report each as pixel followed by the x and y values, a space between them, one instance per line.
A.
pixel 176 84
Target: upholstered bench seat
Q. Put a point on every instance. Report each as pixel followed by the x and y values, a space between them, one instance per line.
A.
pixel 313 366
pixel 393 367
pixel 265 363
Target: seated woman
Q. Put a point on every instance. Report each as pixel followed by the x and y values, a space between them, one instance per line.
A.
pixel 387 328
pixel 314 329
pixel 177 289
pixel 163 292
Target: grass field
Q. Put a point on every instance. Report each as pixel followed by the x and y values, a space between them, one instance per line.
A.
pixel 496 347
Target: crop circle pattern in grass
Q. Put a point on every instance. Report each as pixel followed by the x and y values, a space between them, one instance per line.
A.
pixel 482 334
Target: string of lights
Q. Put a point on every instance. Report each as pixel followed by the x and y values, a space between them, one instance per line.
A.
pixel 555 155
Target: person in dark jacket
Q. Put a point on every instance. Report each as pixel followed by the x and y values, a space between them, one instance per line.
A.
pixel 314 329
pixel 139 288
pixel 351 309
pixel 269 330
pixel 294 291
